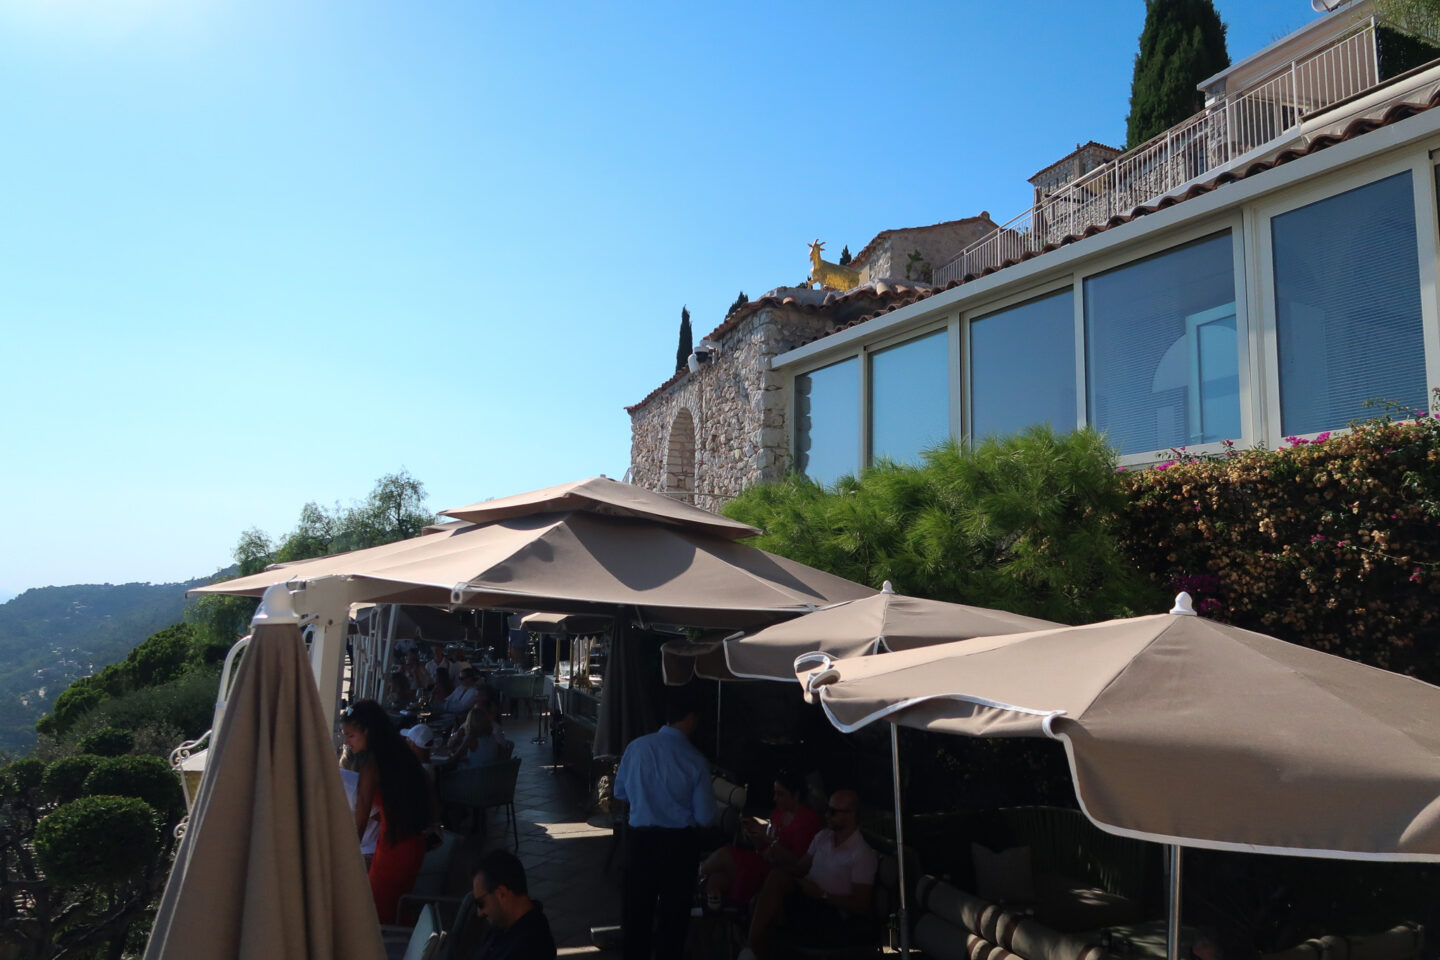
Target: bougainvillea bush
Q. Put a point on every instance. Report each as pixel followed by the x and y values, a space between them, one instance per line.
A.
pixel 1331 542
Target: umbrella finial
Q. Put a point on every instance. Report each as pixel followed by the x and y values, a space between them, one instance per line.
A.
pixel 277 606
pixel 1183 607
pixel 886 587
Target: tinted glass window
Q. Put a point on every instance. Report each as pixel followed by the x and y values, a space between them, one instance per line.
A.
pixel 1347 306
pixel 827 421
pixel 910 398
pixel 1161 354
pixel 1022 367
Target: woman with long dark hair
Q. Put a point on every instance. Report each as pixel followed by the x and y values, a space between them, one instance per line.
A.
pixel 392 779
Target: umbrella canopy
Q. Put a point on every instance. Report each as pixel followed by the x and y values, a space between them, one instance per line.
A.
pixel 269 865
pixel 885 621
pixel 605 496
pixel 1185 731
pixel 683 660
pixel 572 562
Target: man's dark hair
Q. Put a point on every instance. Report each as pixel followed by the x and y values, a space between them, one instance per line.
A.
pixel 679 704
pixel 501 868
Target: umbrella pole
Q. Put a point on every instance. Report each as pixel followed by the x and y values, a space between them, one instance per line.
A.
pixel 1172 931
pixel 718 688
pixel 904 913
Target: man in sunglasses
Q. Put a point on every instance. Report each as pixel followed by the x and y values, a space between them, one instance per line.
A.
pixel 518 928
pixel 825 897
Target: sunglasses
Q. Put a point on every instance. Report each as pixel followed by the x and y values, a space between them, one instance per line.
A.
pixel 834 810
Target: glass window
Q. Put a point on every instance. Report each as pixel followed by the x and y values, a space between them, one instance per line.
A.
pixel 1022 367
pixel 1347 306
pixel 910 398
pixel 1162 358
pixel 827 421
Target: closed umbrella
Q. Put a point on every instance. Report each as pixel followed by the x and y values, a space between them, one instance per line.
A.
pixel 1184 731
pixel 269 865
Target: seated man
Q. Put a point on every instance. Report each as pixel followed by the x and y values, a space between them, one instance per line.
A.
pixel 825 896
pixel 518 928
pixel 459 701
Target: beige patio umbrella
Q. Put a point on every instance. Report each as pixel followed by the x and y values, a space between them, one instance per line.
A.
pixel 269 865
pixel 881 622
pixel 885 621
pixel 605 496
pixel 1184 731
pixel 574 561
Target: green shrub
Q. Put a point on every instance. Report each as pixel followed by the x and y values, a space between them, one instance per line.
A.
pixel 97 840
pixel 22 777
pixel 1332 543
pixel 108 742
pixel 144 777
pixel 1022 523
pixel 73 702
pixel 162 657
pixel 64 779
pixel 187 703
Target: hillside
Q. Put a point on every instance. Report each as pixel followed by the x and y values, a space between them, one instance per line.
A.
pixel 49 636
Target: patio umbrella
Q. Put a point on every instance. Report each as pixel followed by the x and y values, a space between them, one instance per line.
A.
pixel 605 496
pixel 881 622
pixel 885 621
pixel 269 865
pixel 576 561
pixel 1184 731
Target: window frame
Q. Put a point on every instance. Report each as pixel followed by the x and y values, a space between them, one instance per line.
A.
pixel 867 353
pixel 1422 168
pixel 1231 221
pixel 1049 288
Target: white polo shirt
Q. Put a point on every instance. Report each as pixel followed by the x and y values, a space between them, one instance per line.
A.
pixel 837 869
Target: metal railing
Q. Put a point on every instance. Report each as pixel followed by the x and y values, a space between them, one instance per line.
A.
pixel 1184 153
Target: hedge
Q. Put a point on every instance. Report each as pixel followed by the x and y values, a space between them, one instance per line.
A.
pixel 1333 543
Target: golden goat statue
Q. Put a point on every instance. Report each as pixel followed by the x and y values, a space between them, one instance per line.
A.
pixel 830 276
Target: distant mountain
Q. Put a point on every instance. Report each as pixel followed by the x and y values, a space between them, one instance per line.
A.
pixel 50 636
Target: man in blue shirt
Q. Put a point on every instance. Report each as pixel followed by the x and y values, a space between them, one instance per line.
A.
pixel 666 782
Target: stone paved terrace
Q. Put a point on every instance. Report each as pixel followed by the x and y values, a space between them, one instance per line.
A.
pixel 564 853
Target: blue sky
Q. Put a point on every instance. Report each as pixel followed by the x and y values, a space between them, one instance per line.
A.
pixel 259 253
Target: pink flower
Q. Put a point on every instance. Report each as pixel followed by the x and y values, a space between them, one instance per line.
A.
pixel 1322 437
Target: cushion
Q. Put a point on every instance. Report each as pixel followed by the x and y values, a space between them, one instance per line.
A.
pixel 1005 876
pixel 1069 905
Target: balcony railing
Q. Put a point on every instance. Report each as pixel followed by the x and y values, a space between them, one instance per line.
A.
pixel 1186 152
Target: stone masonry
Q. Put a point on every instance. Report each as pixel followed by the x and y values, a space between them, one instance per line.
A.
pixel 705 436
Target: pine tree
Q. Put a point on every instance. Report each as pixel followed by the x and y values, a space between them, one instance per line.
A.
pixel 1183 43
pixel 740 301
pixel 845 256
pixel 686 347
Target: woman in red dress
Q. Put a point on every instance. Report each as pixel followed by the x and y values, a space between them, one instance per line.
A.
pixel 392 780
pixel 735 873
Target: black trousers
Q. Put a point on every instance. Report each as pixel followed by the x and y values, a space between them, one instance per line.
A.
pixel 660 875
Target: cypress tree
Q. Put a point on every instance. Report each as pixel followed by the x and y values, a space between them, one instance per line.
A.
pixel 845 256
pixel 740 301
pixel 1183 43
pixel 683 351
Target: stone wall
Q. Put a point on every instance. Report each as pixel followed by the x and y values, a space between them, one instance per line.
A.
pixel 739 410
pixel 938 245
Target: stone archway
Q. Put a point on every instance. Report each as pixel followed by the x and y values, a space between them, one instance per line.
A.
pixel 680 458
